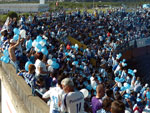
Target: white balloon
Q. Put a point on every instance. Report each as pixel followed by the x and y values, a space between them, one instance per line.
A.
pixel 34 43
pixel 134 70
pixel 85 92
pixel 50 69
pixel 76 45
pixel 73 63
pixel 45 37
pixel 49 61
pixel 36 49
pixel 119 84
pixel 23 33
pixel 128 91
pixel 70 54
pixel 125 84
pixel 73 56
pixel 42 43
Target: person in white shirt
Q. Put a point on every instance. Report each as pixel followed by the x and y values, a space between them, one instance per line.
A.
pixel 72 102
pixel 40 66
pixel 55 95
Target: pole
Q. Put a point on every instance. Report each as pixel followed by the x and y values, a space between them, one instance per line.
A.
pixel 93 4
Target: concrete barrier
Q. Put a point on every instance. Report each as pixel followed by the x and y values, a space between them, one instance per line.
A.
pixel 19 93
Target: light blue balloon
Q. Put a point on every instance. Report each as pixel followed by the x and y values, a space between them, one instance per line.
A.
pixel 123 89
pixel 68 59
pixel 6 53
pixel 66 53
pixel 16 31
pixel 29 44
pixel 6 59
pixel 124 60
pixel 117 79
pixel 38 46
pixel 138 100
pixel 38 38
pixel 27 65
pixel 81 66
pixel 76 62
pixel 121 79
pixel 44 41
pixel 44 51
pixel 127 96
pixel 130 71
pixel 128 86
pixel 16 37
pixel 55 65
pixel 2 58
pixel 72 47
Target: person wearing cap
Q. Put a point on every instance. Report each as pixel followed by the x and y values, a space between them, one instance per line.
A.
pixel 97 100
pixel 11 50
pixel 73 101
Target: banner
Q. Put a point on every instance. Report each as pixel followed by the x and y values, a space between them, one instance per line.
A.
pixel 5 26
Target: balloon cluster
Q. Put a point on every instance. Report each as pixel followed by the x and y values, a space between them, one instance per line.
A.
pixel 39 45
pixel 53 64
pixel 16 33
pixel 5 58
pixel 125 87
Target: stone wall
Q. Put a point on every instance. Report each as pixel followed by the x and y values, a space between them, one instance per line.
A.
pixel 20 93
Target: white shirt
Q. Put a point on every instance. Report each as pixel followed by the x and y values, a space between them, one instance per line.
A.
pixel 55 94
pixel 73 102
pixel 38 64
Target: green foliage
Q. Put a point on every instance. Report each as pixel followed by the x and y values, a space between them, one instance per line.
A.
pixel 12 14
pixel 2 19
pixel 25 14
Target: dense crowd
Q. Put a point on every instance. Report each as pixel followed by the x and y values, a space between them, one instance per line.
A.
pixel 39 49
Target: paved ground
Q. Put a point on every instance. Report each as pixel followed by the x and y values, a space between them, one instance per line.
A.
pixel 142 64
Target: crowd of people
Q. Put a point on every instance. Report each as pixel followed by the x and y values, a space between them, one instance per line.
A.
pixel 55 68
